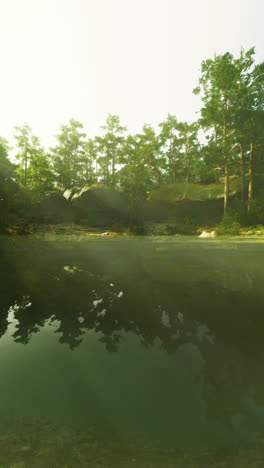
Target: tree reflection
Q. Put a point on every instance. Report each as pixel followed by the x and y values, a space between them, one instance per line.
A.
pixel 73 300
pixel 79 300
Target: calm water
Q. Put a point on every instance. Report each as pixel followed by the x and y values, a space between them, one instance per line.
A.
pixel 141 353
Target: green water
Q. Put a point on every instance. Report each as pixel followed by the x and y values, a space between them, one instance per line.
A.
pixel 131 352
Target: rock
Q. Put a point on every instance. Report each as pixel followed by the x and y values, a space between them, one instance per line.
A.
pixel 71 270
pixel 208 234
pixel 204 234
pixel 99 205
pixel 54 208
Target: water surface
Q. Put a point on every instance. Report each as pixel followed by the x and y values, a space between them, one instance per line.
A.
pixel 141 352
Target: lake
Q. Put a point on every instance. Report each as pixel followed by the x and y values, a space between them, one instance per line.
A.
pixel 141 352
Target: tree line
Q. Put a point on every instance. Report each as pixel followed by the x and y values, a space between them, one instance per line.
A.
pixel 231 123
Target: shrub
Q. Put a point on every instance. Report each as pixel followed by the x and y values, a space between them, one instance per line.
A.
pixel 172 228
pixel 119 227
pixel 137 229
pixel 233 228
pixel 260 228
pixel 155 229
pixel 255 214
pixel 187 227
pixel 244 213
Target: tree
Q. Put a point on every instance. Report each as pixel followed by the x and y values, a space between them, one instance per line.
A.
pixel 170 146
pixel 7 169
pixel 110 148
pixel 149 152
pixel 34 169
pixel 40 172
pixel 23 138
pixel 256 147
pixel 190 149
pixel 6 172
pixel 249 116
pixel 180 147
pixel 68 155
pixel 221 88
pixel 134 175
pixel 250 119
pixel 89 162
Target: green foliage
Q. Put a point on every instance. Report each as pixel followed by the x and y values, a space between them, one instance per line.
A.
pixel 68 157
pixel 110 149
pixel 229 224
pixel 135 182
pixel 34 170
pixel 137 228
pixel 167 165
pixel 89 174
pixel 155 229
pixel 180 149
pixel 7 186
pixel 230 229
pixel 244 214
pixel 143 164
pixel 7 169
pixel 187 227
pixel 23 138
pixel 255 214
pixel 232 90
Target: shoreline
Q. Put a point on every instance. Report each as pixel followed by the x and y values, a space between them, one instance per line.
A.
pixel 203 233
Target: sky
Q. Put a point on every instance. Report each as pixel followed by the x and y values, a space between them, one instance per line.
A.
pixel 139 59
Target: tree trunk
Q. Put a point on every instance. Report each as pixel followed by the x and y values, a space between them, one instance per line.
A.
pixel 96 170
pixel 107 170
pixel 25 169
pixel 174 173
pixel 215 134
pixel 173 169
pixel 187 162
pixel 242 166
pixel 250 177
pixel 113 170
pixel 226 189
pixel 171 163
pixel 226 170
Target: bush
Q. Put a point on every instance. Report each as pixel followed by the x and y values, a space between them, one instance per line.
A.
pixel 137 229
pixel 225 228
pixel 172 228
pixel 187 227
pixel 255 213
pixel 119 227
pixel 260 228
pixel 246 215
pixel 238 212
pixel 155 229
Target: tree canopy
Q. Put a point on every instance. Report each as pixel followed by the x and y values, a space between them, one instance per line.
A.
pixel 231 124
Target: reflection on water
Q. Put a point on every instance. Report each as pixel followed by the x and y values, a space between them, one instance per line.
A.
pixel 162 353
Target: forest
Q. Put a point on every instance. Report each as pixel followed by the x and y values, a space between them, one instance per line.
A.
pixel 213 165
pixel 143 348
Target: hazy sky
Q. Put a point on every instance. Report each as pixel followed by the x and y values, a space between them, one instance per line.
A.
pixel 139 59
